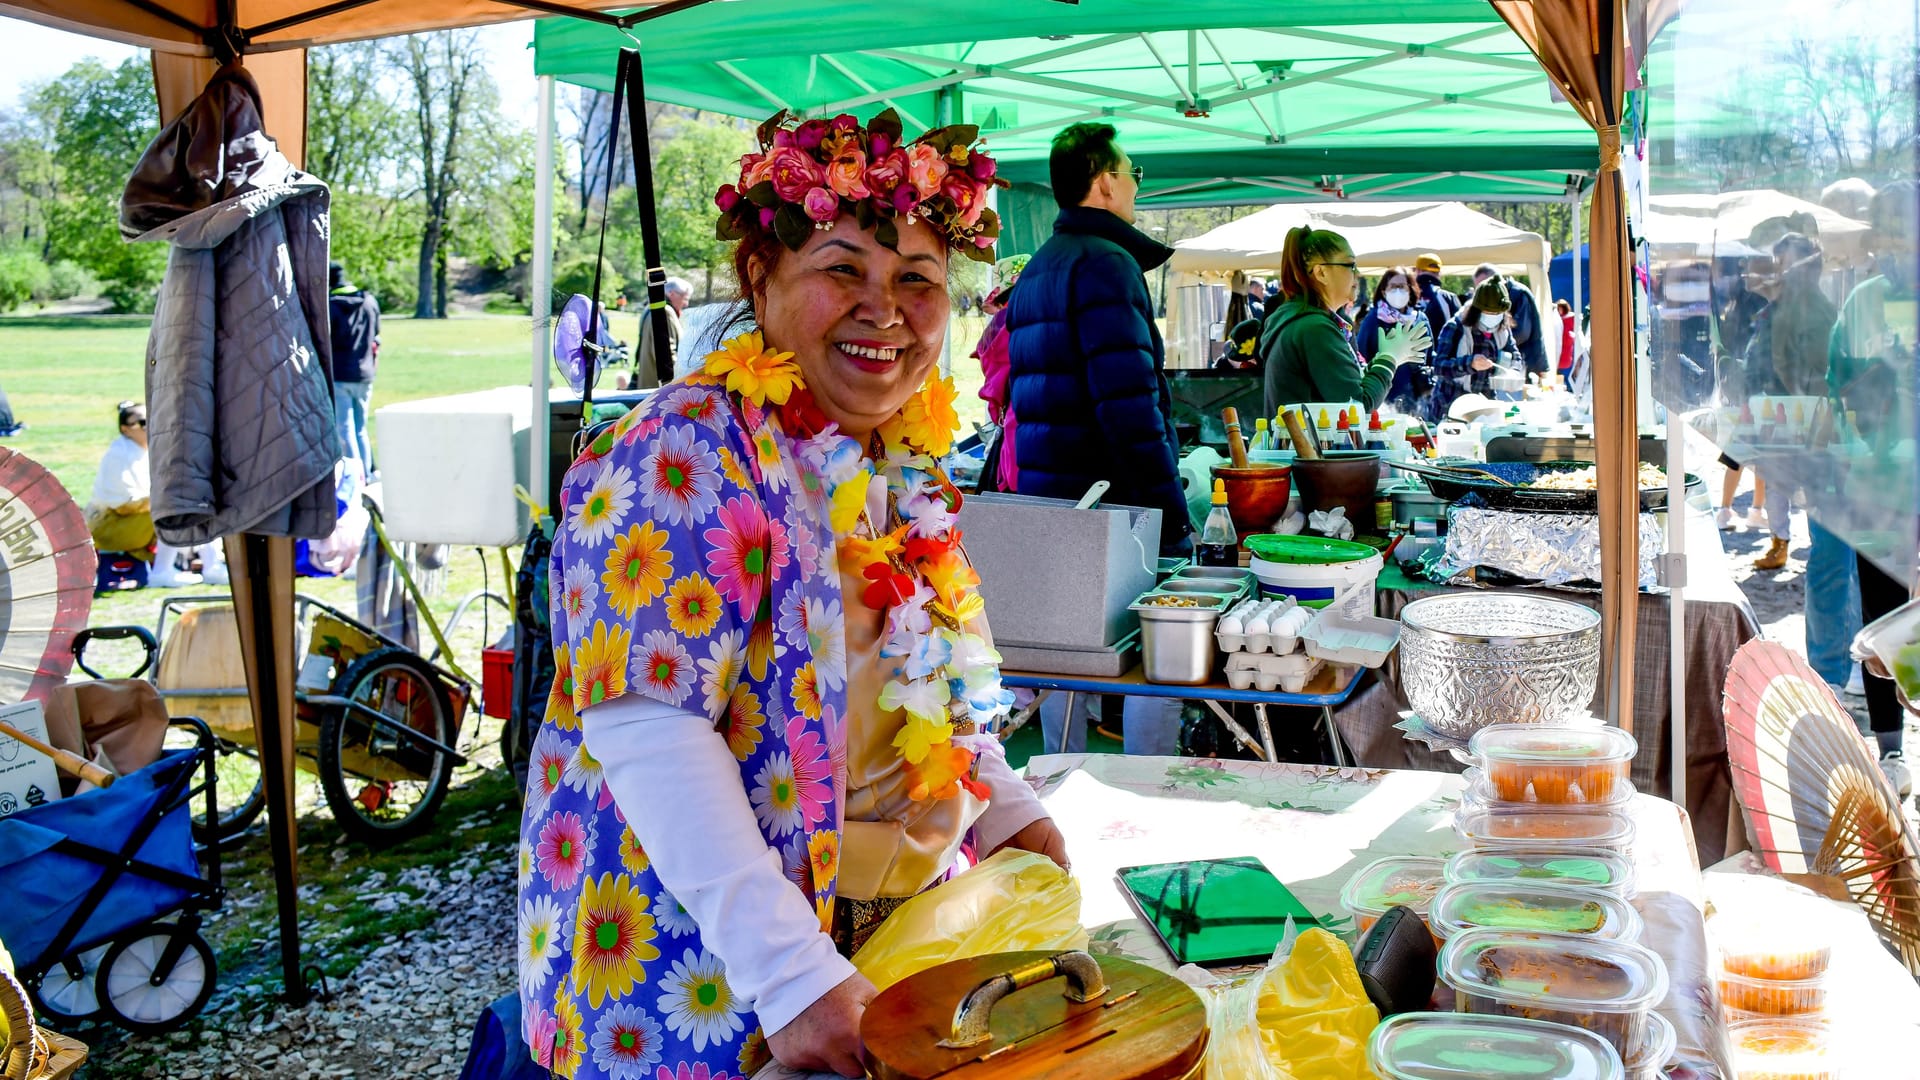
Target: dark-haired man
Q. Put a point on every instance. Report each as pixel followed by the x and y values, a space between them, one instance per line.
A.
pixel 1087 380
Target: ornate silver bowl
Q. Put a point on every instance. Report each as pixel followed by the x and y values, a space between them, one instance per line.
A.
pixel 1472 659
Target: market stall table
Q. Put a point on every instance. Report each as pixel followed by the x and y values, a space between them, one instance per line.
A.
pixel 1314 826
pixel 1326 691
pixel 1719 621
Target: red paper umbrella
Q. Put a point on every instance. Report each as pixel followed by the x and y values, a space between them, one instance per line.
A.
pixel 46 578
pixel 1813 796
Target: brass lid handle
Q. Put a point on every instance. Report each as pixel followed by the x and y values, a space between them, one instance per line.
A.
pixel 972 1017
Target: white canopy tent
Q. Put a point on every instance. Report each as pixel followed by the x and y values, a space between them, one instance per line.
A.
pixel 1382 234
pixel 1727 225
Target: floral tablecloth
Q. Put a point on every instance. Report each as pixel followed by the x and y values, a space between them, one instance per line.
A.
pixel 1314 826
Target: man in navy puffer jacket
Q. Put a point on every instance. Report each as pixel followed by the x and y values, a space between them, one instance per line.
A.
pixel 1087 358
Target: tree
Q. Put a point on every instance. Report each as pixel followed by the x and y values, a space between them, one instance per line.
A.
pixel 449 95
pixel 691 162
pixel 98 121
pixel 355 128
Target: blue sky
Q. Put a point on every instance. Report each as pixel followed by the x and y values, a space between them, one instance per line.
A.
pixel 30 52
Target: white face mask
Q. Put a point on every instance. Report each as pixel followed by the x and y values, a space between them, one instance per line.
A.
pixel 1491 321
pixel 1398 298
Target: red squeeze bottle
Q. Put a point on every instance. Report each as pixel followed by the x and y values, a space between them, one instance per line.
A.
pixel 1373 422
pixel 1746 413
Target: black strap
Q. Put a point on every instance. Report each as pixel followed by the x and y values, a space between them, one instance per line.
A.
pixel 635 99
pixel 649 218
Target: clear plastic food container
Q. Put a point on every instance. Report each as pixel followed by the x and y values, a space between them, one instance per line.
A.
pixel 1452 1046
pixel 1790 944
pixel 1396 881
pixel 1773 997
pixel 1606 987
pixel 1553 763
pixel 1481 792
pixel 1532 908
pixel 1650 1061
pixel 1526 827
pixel 1545 866
pixel 1781 1050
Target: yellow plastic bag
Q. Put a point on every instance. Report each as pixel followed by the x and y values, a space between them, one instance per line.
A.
pixel 1014 901
pixel 1305 1017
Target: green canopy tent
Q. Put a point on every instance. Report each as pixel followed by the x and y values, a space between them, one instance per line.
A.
pixel 1222 102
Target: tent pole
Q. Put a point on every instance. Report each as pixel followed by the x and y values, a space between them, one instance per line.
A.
pixel 1579 264
pixel 540 291
pixel 1676 574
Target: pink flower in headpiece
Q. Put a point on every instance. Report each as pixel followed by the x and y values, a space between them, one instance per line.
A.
pixel 926 168
pixel 782 137
pixel 965 194
pixel 793 172
pixel 821 205
pixel 887 172
pixel 982 167
pixel 809 134
pixel 880 145
pixel 983 241
pixel 766 217
pixel 845 122
pixel 727 198
pixel 847 175
pixel 905 199
pixel 753 169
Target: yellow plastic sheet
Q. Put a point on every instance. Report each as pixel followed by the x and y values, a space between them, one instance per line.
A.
pixel 1014 901
pixel 1305 1017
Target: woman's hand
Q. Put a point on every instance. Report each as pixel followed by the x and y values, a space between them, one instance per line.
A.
pixel 825 1037
pixel 1482 363
pixel 1042 838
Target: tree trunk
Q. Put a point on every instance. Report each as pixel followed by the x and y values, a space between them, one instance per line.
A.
pixel 440 280
pixel 429 247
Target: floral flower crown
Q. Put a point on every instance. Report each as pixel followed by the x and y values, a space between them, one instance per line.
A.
pixel 809 173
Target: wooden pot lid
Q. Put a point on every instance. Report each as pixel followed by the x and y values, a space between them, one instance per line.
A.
pixel 1141 1024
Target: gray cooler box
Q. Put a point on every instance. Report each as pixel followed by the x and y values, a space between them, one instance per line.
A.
pixel 1055 577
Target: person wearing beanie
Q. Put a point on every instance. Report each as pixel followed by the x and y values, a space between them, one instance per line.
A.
pixel 1479 337
pixel 1528 339
pixel 1438 303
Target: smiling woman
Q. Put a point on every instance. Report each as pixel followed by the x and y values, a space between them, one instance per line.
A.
pixel 772 722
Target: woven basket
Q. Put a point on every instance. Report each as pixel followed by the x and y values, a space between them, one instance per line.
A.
pixel 29 1052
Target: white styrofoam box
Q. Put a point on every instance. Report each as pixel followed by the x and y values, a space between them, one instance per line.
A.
pixel 27 776
pixel 1054 576
pixel 448 466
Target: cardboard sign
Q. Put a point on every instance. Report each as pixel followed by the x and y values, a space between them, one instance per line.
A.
pixel 27 776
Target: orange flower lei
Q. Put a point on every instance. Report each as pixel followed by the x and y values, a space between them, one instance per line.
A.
pixel 916 572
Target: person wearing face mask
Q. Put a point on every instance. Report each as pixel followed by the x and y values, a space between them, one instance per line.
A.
pixel 1305 343
pixel 1523 317
pixel 1393 305
pixel 1464 357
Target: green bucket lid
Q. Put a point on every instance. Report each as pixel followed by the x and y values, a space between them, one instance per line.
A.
pixel 1307 550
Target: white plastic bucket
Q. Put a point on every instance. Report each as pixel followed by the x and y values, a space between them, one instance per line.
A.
pixel 1315 585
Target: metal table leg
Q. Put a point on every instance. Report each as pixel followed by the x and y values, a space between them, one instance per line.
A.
pixel 1239 732
pixel 1266 729
pixel 1066 729
pixel 1333 736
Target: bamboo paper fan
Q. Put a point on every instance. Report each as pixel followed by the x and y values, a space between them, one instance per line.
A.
pixel 1814 798
pixel 46 579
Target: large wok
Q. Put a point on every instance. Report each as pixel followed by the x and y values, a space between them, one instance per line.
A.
pixel 1455 483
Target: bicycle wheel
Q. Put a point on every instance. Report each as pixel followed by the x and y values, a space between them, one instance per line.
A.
pixel 381 786
pixel 240 792
pixel 142 994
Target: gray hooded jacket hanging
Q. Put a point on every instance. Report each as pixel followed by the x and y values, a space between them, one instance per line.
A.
pixel 239 391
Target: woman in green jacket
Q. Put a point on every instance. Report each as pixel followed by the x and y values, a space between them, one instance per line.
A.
pixel 1307 348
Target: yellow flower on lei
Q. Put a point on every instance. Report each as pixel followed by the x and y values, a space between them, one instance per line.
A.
pixel 968 609
pixel 858 552
pixel 753 371
pixel 918 736
pixel 848 500
pixel 950 577
pixel 929 419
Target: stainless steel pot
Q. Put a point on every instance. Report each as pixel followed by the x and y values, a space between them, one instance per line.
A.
pixel 1468 660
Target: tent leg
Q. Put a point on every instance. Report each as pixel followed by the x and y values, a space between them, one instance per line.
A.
pixel 1579 264
pixel 540 291
pixel 1676 563
pixel 262 583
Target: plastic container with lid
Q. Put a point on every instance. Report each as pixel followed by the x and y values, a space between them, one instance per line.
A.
pixel 1545 866
pixel 1551 763
pixel 1790 943
pixel 1649 1062
pixel 1781 1050
pixel 1526 826
pixel 1606 987
pixel 1452 1046
pixel 1773 997
pixel 1396 881
pixel 1481 792
pixel 1532 908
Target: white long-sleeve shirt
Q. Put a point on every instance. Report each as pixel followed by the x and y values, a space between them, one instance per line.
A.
pixel 122 478
pixel 679 787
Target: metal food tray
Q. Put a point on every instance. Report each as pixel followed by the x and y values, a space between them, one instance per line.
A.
pixel 1533 500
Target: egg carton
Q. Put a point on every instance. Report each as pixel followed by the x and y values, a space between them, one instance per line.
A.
pixel 1262 625
pixel 1290 672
